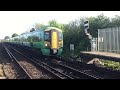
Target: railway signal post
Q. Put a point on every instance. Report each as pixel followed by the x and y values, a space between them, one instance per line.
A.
pixel 93 41
pixel 86 26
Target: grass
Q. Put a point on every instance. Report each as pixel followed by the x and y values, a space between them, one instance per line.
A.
pixel 111 64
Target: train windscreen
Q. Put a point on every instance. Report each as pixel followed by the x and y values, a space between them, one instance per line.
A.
pixel 47 36
pixel 60 36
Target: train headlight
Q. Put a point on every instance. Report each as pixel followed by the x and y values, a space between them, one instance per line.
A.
pixel 60 44
pixel 46 45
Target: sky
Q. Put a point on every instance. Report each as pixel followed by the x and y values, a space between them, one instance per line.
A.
pixel 21 21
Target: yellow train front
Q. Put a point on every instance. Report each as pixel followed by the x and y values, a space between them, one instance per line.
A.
pixel 53 41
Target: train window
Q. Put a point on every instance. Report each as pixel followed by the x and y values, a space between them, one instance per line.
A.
pixel 22 38
pixel 29 39
pixel 47 36
pixel 39 36
pixel 60 36
pixel 35 37
pixel 25 38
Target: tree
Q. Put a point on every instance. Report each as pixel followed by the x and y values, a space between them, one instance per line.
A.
pixel 14 35
pixel 74 33
pixel 38 26
pixel 115 21
pixel 54 23
pixel 6 37
pixel 32 30
pixel 22 33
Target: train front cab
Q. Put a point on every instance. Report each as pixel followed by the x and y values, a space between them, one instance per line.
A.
pixel 53 40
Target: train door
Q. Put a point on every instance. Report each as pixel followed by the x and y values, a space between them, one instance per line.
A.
pixel 54 39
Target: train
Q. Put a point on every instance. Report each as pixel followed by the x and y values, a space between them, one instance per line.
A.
pixel 49 40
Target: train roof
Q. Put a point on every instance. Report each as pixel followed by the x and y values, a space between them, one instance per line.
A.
pixel 46 28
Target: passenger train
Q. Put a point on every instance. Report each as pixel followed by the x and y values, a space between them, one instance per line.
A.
pixel 49 40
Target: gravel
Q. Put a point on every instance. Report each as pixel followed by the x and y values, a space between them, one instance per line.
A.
pixel 36 74
pixel 7 70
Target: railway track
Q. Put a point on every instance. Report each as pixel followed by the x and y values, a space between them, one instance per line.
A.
pixel 51 70
pixel 104 72
pixel 22 69
pixel 77 73
pixel 80 74
pixel 83 73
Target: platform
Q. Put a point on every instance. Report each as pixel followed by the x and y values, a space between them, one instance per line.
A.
pixel 100 55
